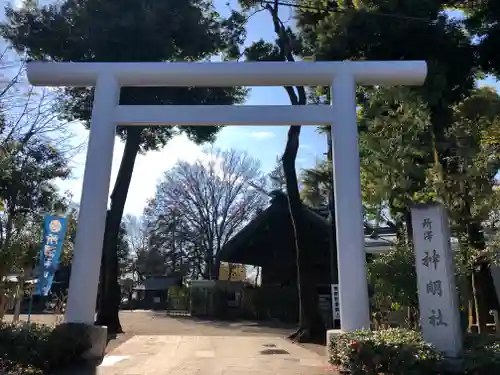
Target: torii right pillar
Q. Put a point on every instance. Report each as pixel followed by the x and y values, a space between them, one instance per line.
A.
pixel 351 258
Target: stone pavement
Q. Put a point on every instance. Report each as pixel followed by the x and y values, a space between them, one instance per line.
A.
pixel 211 355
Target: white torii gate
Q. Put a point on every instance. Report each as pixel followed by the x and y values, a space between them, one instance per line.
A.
pixel 107 114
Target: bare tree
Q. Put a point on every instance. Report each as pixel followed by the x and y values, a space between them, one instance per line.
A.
pixel 206 203
pixel 143 261
pixel 136 233
pixel 276 177
pixel 27 112
pixel 11 73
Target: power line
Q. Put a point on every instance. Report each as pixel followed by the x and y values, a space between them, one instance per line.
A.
pixel 336 9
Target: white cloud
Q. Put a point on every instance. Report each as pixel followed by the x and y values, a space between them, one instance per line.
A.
pixel 148 169
pixel 262 135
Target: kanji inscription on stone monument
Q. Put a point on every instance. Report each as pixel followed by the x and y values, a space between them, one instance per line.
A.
pixel 437 296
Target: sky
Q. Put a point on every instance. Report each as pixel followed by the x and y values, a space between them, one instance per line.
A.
pixel 262 142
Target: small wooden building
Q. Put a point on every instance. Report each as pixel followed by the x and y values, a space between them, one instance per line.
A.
pixel 153 292
pixel 268 241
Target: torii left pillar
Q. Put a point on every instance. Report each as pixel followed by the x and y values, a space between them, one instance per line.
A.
pixel 82 300
pixel 81 304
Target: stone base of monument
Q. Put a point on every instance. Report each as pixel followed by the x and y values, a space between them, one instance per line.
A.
pixel 98 336
pixel 330 335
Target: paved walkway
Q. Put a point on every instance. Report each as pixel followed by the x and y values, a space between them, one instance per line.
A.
pixel 155 344
pixel 211 355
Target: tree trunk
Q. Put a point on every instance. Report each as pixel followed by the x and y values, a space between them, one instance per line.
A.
pixel 409 227
pixel 216 268
pixel 479 307
pixel 110 296
pixel 4 300
pixel 484 293
pixel 17 300
pixel 311 327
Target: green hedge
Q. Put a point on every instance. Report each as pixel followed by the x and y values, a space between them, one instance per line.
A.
pixel 404 352
pixel 392 351
pixel 482 355
pixel 37 349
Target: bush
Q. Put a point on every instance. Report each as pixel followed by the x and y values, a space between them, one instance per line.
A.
pixel 39 349
pixel 23 344
pixel 13 368
pixel 388 352
pixel 482 355
pixel 70 341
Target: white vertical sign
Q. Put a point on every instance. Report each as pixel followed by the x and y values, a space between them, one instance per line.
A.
pixel 437 295
pixel 335 302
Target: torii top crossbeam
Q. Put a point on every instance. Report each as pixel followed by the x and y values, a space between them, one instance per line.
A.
pixel 228 74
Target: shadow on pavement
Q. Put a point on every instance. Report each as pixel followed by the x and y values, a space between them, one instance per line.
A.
pixel 81 369
pixel 232 323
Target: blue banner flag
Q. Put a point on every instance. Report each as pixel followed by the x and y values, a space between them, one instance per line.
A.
pixel 54 229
